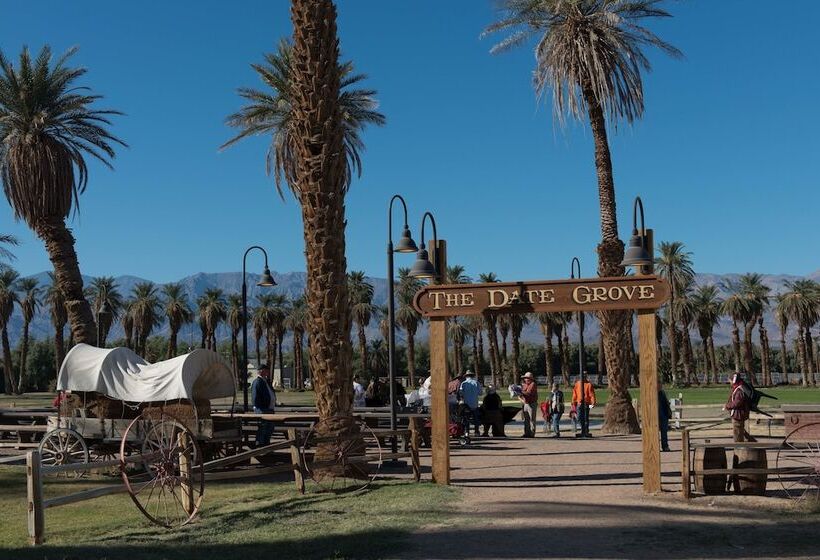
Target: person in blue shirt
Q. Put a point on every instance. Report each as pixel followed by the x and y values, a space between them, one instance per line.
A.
pixel 264 401
pixel 470 390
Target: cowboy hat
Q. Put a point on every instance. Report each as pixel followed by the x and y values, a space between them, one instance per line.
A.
pixel 528 375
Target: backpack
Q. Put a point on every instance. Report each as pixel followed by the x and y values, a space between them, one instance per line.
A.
pixel 753 396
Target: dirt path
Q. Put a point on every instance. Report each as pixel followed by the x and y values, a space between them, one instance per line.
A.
pixel 567 498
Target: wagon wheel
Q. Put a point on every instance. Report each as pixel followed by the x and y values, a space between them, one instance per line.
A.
pixel 347 463
pixel 800 454
pixel 63 446
pixel 169 491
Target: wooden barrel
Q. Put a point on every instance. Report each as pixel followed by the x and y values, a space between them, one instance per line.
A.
pixel 750 484
pixel 710 458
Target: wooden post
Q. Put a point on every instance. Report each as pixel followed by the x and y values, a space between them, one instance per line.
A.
pixel 686 474
pixel 34 484
pixel 440 413
pixel 296 459
pixel 186 474
pixel 414 449
pixel 648 358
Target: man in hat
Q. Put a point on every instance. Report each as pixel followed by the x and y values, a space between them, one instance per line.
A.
pixel 529 398
pixel 469 390
pixel 264 401
pixel 739 405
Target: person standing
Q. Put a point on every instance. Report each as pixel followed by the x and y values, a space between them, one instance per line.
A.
pixel 452 392
pixel 529 398
pixel 358 392
pixel 589 402
pixel 264 402
pixel 469 390
pixel 739 405
pixel 556 409
pixel 664 414
pixel 491 412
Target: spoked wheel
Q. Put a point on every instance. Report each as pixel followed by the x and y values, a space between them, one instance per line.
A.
pixel 169 491
pixel 798 463
pixel 341 455
pixel 63 446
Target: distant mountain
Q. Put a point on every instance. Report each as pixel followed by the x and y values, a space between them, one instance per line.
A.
pixel 292 284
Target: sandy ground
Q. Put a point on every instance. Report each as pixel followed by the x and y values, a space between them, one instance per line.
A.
pixel 568 498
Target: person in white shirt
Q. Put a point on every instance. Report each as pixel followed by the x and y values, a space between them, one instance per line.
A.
pixel 358 392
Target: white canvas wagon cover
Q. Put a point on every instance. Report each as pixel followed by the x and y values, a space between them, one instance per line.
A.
pixel 121 374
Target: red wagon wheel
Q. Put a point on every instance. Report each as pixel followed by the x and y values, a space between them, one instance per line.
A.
pixel 341 463
pixel 169 490
pixel 798 463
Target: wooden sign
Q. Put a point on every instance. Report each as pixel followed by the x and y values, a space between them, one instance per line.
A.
pixel 544 296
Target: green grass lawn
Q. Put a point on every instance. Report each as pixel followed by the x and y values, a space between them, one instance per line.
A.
pixel 238 520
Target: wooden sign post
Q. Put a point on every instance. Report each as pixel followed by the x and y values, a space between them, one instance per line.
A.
pixel 644 293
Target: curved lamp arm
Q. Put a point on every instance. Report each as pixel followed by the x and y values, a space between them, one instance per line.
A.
pixel 572 267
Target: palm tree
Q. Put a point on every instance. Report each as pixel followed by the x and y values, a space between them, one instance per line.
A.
pixel 707 306
pixel 561 329
pixel 491 324
pixel 277 307
pixel 281 313
pixel 735 307
pixel 674 264
pixel 503 321
pixel 212 311
pixel 517 323
pixel 378 357
pixel 685 311
pixel 5 254
pixel 546 322
pixel 48 128
pixel 296 322
pixel 29 304
pixel 474 326
pixel 756 295
pixel 104 290
pixel 408 318
pixel 127 321
pixel 589 53
pixel 59 318
pixel 259 319
pixel 145 309
pixel 8 297
pixel 177 311
pixel 235 318
pixel 315 125
pixel 781 317
pixel 457 332
pixel 362 308
pixel 802 304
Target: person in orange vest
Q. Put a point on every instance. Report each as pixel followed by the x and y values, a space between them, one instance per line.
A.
pixel 589 401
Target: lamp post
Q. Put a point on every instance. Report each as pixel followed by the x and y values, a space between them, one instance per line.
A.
pixel 638 254
pixel 265 281
pixel 581 358
pixel 423 268
pixel 405 245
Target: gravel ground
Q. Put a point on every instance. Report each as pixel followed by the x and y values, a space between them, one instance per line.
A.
pixel 568 498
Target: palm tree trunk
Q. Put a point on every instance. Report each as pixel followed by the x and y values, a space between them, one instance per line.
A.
pixel 476 365
pixel 748 361
pixel 492 340
pixel 563 353
pixel 280 337
pixel 515 353
pixel 8 368
pixel 713 358
pixel 601 363
pixel 736 345
pixel 783 355
pixel 800 343
pixel 59 243
pixel 235 356
pixel 363 348
pixel 688 358
pixel 22 380
pixel 411 358
pixel 59 347
pixel 270 349
pixel 479 365
pixel 546 329
pixel 172 343
pixel 619 416
pixel 809 355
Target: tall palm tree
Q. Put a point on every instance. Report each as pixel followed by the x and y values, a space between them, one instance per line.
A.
pixel 457 333
pixel 8 297
pixel 296 322
pixel 546 322
pixel 29 304
pixel 781 317
pixel 474 326
pixel 589 54
pixel 145 309
pixel 685 312
pixel 756 295
pixel 177 311
pixel 491 325
pixel 104 290
pixel 707 306
pixel 378 357
pixel 212 310
pixel 59 318
pixel 127 321
pixel 561 328
pixel 235 318
pixel 259 319
pixel 362 308
pixel 802 304
pixel 735 306
pixel 48 126
pixel 280 330
pixel 503 321
pixel 274 319
pixel 315 124
pixel 674 264
pixel 517 323
pixel 408 318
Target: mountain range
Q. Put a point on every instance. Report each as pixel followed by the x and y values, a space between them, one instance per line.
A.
pixel 292 284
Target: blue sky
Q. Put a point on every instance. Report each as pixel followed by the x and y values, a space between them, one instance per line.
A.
pixel 725 158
